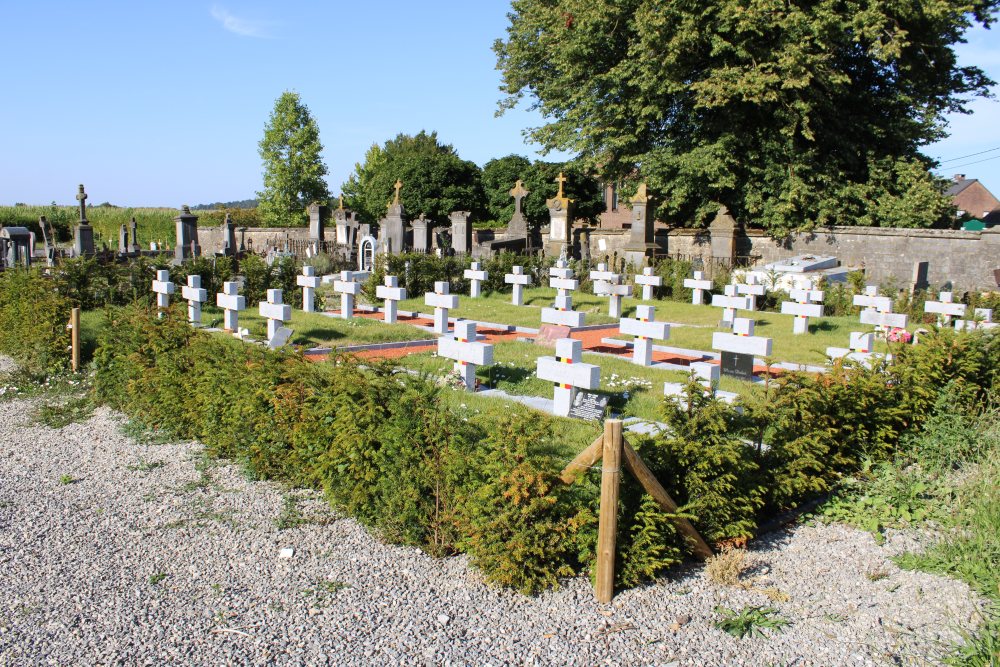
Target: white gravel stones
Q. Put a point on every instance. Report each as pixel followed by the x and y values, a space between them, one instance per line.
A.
pixel 152 556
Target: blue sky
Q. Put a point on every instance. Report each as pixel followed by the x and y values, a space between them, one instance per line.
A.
pixel 161 104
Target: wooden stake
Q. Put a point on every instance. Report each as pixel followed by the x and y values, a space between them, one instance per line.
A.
pixel 604 588
pixel 74 335
pixel 584 460
pixel 638 467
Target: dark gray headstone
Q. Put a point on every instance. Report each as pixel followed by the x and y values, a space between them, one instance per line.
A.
pixel 123 240
pixel 187 235
pixel 317 219
pixel 919 281
pixel 134 233
pixel 228 237
pixel 518 226
pixel 83 233
pixel 737 365
pixel 461 232
pixel 589 406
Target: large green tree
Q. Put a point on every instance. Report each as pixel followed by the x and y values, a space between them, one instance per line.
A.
pixel 793 113
pixel 436 181
pixel 500 174
pixel 293 164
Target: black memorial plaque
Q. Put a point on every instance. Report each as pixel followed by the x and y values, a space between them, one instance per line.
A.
pixel 588 406
pixel 737 365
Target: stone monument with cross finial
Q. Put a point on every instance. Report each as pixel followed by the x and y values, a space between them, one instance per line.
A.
pixel 641 241
pixel 392 228
pixel 517 227
pixel 83 233
pixel 560 221
pixel 187 235
pixel 133 247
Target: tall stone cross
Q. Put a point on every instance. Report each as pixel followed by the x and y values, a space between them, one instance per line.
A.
pixel 645 329
pixel 562 314
pixel 195 296
pixel 347 288
pixel 648 281
pixel 232 303
pixel 568 373
pixel 871 301
pixel 560 179
pixel 698 286
pixel 163 289
pixel 518 192
pixel 442 302
pixel 861 349
pixel 518 278
pixel 398 186
pixel 81 197
pixel 276 312
pixel 945 308
pixel 466 352
pixel 807 303
pixel 475 275
pixel 308 281
pixel 730 302
pixel 392 293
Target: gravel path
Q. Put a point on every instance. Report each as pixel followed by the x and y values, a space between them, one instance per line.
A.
pixel 151 555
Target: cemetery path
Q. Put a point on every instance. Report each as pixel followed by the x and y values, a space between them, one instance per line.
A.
pixel 115 551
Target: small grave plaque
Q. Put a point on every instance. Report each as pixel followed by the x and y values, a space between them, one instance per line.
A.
pixel 589 406
pixel 548 334
pixel 737 365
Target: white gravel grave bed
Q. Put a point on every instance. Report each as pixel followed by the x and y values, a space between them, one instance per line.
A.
pixel 151 556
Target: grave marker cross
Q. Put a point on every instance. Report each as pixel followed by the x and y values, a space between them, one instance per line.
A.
pixel 276 312
pixel 518 278
pixel 391 292
pixel 476 276
pixel 195 296
pixel 466 352
pixel 699 286
pixel 163 288
pixel 308 281
pixel 945 308
pixel 232 303
pixel 802 309
pixel 648 281
pixel 568 373
pixel 730 302
pixel 442 302
pixel 347 289
pixel 645 329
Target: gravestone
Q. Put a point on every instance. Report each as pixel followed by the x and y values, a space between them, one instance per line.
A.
pixel 281 337
pixel 17 244
pixel 308 281
pixel 421 234
pixel 560 222
pixel 806 304
pixel 391 292
pixel 641 245
pixel 871 301
pixel 275 312
pixel 722 231
pixel 861 349
pixel 466 352
pixel 518 279
pixel 568 374
pixel 83 233
pixel 739 348
pixel 945 308
pixel 698 286
pixel 133 247
pixel 348 289
pixel 366 253
pixel 730 302
pixel 318 214
pixel 187 235
pixel 752 289
pixel 195 296
pixel 919 280
pixel 163 289
pixel 232 303
pixel 614 291
pixel 123 240
pixel 589 406
pixel 883 320
pixel 461 232
pixel 648 280
pixel 392 228
pixel 442 302
pixel 475 275
pixel 228 229
pixel 982 318
pixel 645 329
pixel 517 227
pixel 562 314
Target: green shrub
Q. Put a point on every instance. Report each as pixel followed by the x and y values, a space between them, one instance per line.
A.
pixel 33 319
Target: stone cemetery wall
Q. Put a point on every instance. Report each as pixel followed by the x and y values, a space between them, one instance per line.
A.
pixel 211 238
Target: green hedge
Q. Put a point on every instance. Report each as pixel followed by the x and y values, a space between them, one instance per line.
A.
pixel 33 319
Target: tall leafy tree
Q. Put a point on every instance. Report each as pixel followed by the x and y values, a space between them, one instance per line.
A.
pixel 436 181
pixel 793 113
pixel 539 178
pixel 293 164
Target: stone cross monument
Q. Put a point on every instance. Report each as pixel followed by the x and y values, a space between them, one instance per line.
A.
pixel 641 244
pixel 187 235
pixel 561 222
pixel 83 234
pixel 518 226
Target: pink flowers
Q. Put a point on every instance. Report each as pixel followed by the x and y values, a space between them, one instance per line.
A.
pixel 898 335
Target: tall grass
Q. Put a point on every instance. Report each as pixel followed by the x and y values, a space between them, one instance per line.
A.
pixel 154 224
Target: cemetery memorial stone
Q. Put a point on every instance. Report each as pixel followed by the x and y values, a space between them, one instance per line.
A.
pixel 982 318
pixel 318 214
pixel 730 302
pixel 559 221
pixel 466 352
pixel 392 293
pixel 195 296
pixel 348 289
pixel 366 253
pixel 123 240
pixel 308 281
pixel 228 229
pixel 739 348
pixel 276 312
pixel 945 308
pixel 518 279
pixel 392 228
pixel 589 406
pixel 186 225
pixel 461 232
pixel 83 233
pixel 751 289
pixel 883 320
pixel 645 329
pixel 133 247
pixel 442 302
pixel 421 234
pixel 861 349
pixel 648 280
pixel 806 304
pixel 517 227
pixel 163 289
pixel 475 275
pixel 641 241
pixel 872 302
pixel 17 244
pixel 568 373
pixel 699 286
pixel 232 303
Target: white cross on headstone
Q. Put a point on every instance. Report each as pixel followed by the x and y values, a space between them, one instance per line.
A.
pixel 883 320
pixel 518 279
pixel 308 281
pixel 614 291
pixel 861 349
pixel 645 329
pixel 561 278
pixel 568 374
pixel 275 311
pixel 871 301
pixel 232 303
pixel 699 286
pixel 195 296
pixel 648 281
pixel 391 292
pixel 442 302
pixel 945 308
pixel 467 353
pixel 163 289
pixel 802 309
pixel 742 340
pixel 751 289
pixel 730 303
pixel 475 275
pixel 602 273
pixel 347 289
pixel 982 319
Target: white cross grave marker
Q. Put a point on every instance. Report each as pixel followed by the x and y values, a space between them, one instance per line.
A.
pixel 476 276
pixel 645 329
pixel 871 301
pixel 861 349
pixel 883 320
pixel 391 292
pixel 347 289
pixel 648 282
pixel 308 281
pixel 945 308
pixel 442 302
pixel 518 279
pixel 730 303
pixel 751 289
pixel 568 374
pixel 232 303
pixel 982 319
pixel 802 309
pixel 467 353
pixel 195 296
pixel 562 313
pixel 163 289
pixel 699 286
pixel 742 340
pixel 276 312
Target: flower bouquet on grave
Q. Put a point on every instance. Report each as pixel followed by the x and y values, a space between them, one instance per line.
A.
pixel 898 335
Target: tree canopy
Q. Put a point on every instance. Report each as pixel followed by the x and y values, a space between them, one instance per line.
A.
pixel 499 176
pixel 293 164
pixel 436 181
pixel 793 113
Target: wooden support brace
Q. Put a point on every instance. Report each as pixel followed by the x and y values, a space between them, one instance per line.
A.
pixel 74 336
pixel 608 522
pixel 584 460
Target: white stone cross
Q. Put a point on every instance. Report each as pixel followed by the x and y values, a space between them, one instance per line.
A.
pixel 347 289
pixel 232 303
pixel 602 273
pixel 742 340
pixel 730 303
pixel 308 281
pixel 982 319
pixel 699 286
pixel 561 270
pixel 808 303
pixel 467 353
pixel 882 320
pixel 442 302
pixel 561 278
pixel 645 329
pixel 195 296
pixel 861 349
pixel 276 312
pixel 518 279
pixel 391 292
pixel 163 289
pixel 614 292
pixel 752 289
pixel 568 374
pixel 945 308
pixel 648 281
pixel 705 373
pixel 871 301
pixel 476 276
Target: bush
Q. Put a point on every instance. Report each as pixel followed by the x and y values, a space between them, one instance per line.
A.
pixel 33 319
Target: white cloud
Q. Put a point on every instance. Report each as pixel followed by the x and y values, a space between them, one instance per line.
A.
pixel 244 27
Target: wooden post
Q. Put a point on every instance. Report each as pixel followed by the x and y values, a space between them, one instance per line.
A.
pixel 74 334
pixel 584 460
pixel 608 525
